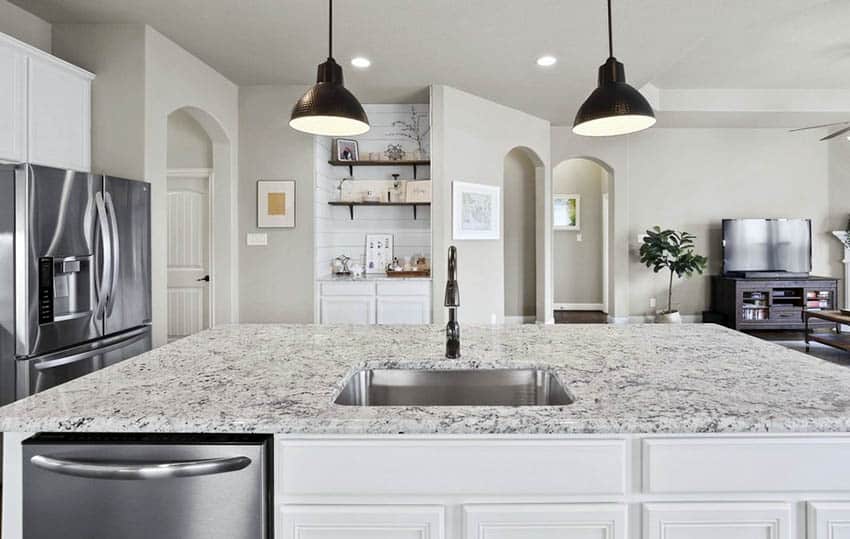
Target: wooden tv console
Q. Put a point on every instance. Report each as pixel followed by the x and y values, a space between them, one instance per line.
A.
pixel 772 303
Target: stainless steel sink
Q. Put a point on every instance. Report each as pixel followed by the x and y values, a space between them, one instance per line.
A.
pixel 472 387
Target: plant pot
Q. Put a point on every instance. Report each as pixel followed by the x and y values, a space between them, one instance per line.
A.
pixel 668 317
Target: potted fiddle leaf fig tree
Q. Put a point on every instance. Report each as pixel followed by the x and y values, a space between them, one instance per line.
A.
pixel 673 251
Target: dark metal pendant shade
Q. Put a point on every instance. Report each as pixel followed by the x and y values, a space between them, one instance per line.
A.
pixel 328 108
pixel 614 107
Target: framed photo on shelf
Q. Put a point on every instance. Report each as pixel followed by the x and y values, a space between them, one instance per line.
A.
pixel 346 149
pixel 275 203
pixel 475 211
pixel 566 212
pixel 379 252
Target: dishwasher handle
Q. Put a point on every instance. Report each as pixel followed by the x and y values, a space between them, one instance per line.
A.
pixel 105 469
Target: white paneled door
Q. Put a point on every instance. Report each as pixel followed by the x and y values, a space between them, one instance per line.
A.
pixel 362 522
pixel 188 253
pixel 529 521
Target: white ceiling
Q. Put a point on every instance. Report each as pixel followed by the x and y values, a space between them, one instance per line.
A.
pixel 489 47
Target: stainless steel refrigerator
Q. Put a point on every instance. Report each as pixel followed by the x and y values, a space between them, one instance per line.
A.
pixel 75 288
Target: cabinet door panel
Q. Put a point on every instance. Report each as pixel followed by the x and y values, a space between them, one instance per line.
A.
pixel 404 310
pixel 362 522
pixel 59 116
pixel 545 521
pixel 348 310
pixel 13 110
pixel 716 520
pixel 829 520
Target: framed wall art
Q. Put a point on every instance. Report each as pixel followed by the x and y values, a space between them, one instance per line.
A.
pixel 379 252
pixel 476 211
pixel 275 203
pixel 346 149
pixel 566 212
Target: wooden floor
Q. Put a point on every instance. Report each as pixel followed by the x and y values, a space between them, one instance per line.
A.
pixel 580 317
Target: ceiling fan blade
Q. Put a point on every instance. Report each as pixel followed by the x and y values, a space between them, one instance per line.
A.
pixel 818 126
pixel 839 132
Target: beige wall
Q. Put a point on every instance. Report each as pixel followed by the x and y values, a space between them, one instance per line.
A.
pixel 142 77
pixel 115 53
pixel 470 138
pixel 577 265
pixel 692 178
pixel 276 281
pixel 189 146
pixel 519 250
pixel 25 26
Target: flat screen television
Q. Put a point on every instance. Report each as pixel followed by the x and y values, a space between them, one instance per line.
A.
pixel 767 246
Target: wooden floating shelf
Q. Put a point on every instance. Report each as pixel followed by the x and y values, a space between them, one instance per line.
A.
pixel 384 163
pixel 351 205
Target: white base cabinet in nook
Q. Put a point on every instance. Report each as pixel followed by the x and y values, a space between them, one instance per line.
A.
pixel 361 522
pixel 545 521
pixel 828 520
pixel 375 302
pixel 741 520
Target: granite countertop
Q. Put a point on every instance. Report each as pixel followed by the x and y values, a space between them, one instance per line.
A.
pixel 368 277
pixel 283 378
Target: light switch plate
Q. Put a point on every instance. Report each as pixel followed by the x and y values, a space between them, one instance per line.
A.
pixel 257 239
pixel 578 237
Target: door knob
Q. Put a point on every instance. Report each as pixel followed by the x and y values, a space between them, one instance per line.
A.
pixel 205 278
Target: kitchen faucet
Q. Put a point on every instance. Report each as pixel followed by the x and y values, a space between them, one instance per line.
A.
pixel 452 301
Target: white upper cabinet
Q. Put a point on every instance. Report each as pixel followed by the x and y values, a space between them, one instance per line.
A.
pixel 13 109
pixel 45 108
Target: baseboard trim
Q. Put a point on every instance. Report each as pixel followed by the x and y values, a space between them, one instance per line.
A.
pixel 578 306
pixel 518 320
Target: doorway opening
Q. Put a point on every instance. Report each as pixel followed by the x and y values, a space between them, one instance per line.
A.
pixel 581 246
pixel 190 261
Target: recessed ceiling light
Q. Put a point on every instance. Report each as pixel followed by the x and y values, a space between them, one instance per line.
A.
pixel 547 61
pixel 361 62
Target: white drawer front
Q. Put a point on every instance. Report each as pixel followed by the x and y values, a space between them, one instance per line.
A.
pixel 717 521
pixel 722 465
pixel 448 467
pixel 404 288
pixel 362 522
pixel 348 289
pixel 545 521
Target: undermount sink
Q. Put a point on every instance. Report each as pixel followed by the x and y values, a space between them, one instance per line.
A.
pixel 470 387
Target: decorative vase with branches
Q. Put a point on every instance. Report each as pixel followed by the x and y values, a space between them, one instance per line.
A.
pixel 672 251
pixel 415 130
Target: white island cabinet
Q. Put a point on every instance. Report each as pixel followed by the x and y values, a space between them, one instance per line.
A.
pixel 45 108
pixel 712 486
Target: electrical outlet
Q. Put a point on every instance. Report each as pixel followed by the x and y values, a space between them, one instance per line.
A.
pixel 257 239
pixel 652 303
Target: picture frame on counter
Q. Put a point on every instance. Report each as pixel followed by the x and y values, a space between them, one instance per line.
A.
pixel 275 203
pixel 566 212
pixel 379 252
pixel 346 149
pixel 476 211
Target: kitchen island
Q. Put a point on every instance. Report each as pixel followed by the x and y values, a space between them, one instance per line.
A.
pixel 684 431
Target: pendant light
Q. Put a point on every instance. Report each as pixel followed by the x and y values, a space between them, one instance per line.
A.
pixel 327 108
pixel 614 107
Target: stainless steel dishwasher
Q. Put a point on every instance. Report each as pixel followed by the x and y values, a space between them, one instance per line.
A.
pixel 89 486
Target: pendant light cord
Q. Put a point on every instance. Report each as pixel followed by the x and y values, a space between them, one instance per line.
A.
pixel 331 27
pixel 610 33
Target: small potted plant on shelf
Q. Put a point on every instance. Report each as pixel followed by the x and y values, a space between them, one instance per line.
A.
pixel 672 251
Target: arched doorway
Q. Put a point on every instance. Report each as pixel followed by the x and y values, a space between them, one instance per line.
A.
pixel 197 260
pixel 582 222
pixel 526 247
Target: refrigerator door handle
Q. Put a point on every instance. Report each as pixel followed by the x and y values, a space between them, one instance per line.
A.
pixel 104 469
pixel 116 254
pixel 106 239
pixel 68 358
